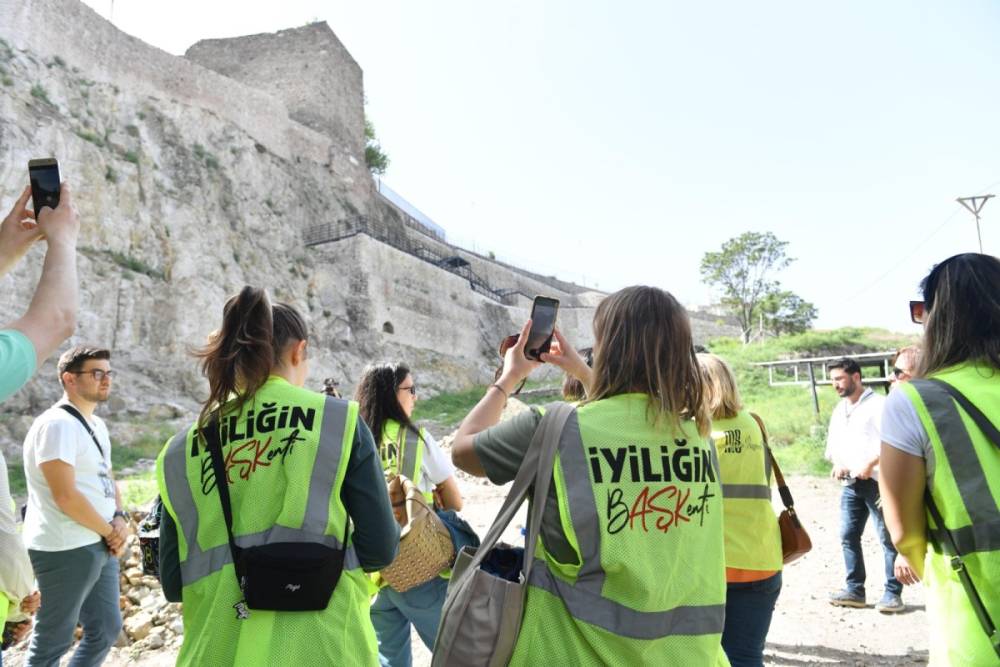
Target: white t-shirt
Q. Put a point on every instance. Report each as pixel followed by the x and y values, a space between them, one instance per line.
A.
pixel 435 467
pixel 57 435
pixel 902 428
pixel 855 437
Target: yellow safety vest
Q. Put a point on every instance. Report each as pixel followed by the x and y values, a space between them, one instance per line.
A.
pixel 965 486
pixel 286 454
pixel 641 508
pixel 753 539
pixel 402 450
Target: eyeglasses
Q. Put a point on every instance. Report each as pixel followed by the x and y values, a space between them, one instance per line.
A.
pixel 899 371
pixel 918 312
pixel 97 373
pixel 412 389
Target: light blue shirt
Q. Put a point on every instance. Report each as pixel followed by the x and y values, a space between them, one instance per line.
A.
pixel 17 362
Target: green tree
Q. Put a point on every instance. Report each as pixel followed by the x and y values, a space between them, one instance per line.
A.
pixel 785 312
pixel 375 157
pixel 743 271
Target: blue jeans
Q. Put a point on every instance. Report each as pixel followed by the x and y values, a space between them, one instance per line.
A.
pixel 76 585
pixel 393 612
pixel 749 607
pixel 856 502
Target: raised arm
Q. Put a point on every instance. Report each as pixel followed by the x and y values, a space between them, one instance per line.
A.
pixel 51 316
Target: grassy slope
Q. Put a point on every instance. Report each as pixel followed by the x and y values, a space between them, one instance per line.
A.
pixel 798 435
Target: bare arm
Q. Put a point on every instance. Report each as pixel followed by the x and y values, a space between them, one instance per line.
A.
pixel 487 412
pixel 51 316
pixel 61 478
pixel 902 482
pixel 448 495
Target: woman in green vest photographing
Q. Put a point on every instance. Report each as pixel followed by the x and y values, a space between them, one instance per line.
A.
pixel 940 461
pixel 275 504
pixel 753 539
pixel 387 394
pixel 630 569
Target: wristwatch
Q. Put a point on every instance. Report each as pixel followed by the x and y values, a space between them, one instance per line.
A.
pixel 119 513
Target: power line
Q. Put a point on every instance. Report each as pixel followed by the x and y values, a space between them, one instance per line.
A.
pixel 910 254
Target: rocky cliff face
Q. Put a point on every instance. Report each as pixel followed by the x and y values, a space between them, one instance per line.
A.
pixel 195 176
pixel 189 185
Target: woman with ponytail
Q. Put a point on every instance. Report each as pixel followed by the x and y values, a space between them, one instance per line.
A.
pixel 303 494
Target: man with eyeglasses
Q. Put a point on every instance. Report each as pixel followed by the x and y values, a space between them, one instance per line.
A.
pixel 74 527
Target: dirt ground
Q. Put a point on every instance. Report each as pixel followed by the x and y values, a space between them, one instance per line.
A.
pixel 806 630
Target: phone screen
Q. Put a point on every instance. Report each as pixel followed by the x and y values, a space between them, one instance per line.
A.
pixel 44 176
pixel 543 322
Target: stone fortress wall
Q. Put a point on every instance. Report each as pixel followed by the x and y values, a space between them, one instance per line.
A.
pixel 195 175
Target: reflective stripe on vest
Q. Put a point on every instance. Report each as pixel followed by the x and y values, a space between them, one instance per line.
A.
pixel 406 458
pixel 754 491
pixel 408 467
pixel 583 598
pixel 624 621
pixel 984 532
pixel 198 563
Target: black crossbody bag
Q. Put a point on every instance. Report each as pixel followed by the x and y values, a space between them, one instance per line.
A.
pixel 281 576
pixel 76 413
pixel 950 547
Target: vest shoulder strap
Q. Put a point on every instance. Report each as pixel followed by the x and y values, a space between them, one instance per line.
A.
pixel 982 421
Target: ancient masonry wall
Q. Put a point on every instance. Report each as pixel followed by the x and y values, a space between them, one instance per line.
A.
pixel 307 69
pixel 75 33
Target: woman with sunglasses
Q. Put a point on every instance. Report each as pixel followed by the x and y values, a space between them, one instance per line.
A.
pixel 940 460
pixel 631 567
pixel 387 395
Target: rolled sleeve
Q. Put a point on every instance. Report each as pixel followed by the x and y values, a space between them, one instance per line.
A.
pixel 17 362
pixel 501 449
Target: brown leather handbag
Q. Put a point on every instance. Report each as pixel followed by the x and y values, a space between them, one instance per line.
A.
pixel 795 541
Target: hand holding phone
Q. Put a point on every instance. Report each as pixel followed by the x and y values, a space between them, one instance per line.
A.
pixel 543 324
pixel 44 174
pixel 18 232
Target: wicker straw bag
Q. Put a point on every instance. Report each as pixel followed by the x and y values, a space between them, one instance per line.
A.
pixel 425 546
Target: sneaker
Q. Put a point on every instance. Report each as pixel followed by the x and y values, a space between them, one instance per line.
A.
pixel 847 599
pixel 890 604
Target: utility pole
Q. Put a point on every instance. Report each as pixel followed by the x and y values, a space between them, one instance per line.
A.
pixel 974 205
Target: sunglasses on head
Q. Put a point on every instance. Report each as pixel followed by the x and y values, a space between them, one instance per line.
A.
pixel 918 312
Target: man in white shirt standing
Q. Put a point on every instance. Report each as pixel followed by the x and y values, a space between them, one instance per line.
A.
pixel 853 445
pixel 74 528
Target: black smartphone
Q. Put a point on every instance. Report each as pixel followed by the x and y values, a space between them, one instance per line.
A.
pixel 543 322
pixel 44 176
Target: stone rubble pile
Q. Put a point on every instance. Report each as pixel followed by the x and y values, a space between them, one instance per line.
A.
pixel 149 621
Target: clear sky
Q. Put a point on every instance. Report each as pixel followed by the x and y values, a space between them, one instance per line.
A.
pixel 616 142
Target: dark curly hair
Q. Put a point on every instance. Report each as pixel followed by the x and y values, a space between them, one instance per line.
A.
pixel 376 397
